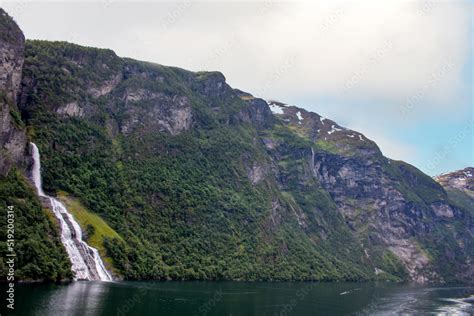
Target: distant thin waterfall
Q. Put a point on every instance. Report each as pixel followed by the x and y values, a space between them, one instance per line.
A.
pixel 86 261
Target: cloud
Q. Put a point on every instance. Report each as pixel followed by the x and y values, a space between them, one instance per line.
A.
pixel 409 56
pixel 348 50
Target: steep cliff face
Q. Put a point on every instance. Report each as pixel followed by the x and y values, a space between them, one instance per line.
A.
pixel 391 207
pixel 12 134
pixel 459 186
pixel 39 252
pixel 203 181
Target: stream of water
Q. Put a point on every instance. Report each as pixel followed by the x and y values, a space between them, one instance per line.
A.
pixel 86 261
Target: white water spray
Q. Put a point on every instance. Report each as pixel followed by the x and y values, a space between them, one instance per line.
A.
pixel 86 261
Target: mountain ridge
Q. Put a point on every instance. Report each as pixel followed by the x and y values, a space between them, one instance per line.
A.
pixel 203 181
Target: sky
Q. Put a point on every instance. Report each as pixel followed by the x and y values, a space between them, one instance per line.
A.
pixel 400 72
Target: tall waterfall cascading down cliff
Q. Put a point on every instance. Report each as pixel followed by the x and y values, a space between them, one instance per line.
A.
pixel 86 261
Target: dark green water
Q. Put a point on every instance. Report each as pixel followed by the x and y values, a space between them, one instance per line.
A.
pixel 240 298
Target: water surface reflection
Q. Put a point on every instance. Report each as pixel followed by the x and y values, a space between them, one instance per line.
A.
pixel 241 298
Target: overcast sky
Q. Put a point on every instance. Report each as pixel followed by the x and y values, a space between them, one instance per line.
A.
pixel 400 72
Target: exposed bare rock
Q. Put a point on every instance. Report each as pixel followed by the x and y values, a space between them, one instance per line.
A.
pixel 210 84
pixel 12 135
pixel 256 173
pixel 269 143
pixel 12 45
pixel 106 87
pixel 257 113
pixel 139 94
pixel 442 210
pixel 163 114
pixel 462 180
pixel 13 141
pixel 71 109
pixel 415 260
pixel 387 204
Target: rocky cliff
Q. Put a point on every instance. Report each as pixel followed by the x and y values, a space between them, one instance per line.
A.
pixel 459 186
pixel 386 204
pixel 12 134
pixel 462 180
pixel 36 243
pixel 203 181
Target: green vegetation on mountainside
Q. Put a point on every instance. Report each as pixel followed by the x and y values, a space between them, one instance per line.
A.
pixel 39 254
pixel 183 204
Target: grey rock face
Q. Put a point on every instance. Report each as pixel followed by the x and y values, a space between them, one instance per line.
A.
pixel 210 84
pixel 12 139
pixel 442 210
pixel 106 87
pixel 71 109
pixel 382 213
pixel 163 113
pixel 256 173
pixel 257 112
pixel 461 180
pixel 365 195
pixel 414 259
pixel 12 46
pixel 386 204
pixel 12 135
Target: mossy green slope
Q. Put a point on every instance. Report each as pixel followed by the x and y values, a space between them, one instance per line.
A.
pixel 95 229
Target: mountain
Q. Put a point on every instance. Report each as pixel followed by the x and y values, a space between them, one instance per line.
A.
pixel 459 186
pixel 462 180
pixel 12 134
pixel 174 174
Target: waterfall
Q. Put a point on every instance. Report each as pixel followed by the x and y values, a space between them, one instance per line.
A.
pixel 85 260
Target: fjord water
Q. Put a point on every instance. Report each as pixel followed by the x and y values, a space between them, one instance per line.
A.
pixel 86 261
pixel 241 298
